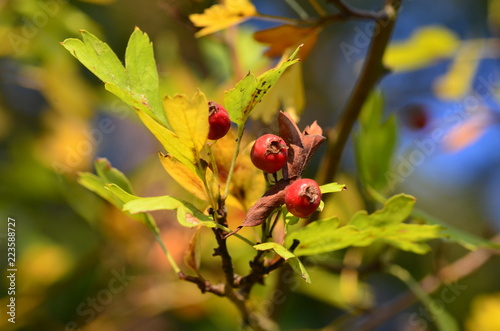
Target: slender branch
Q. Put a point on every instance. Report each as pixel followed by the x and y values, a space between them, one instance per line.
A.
pixel 373 70
pixel 203 285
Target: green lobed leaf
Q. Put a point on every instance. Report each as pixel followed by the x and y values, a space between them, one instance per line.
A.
pixel 324 236
pixel 143 75
pixel 187 214
pixel 97 185
pixel 385 225
pixel 107 175
pixel 242 99
pixel 374 142
pixel 466 239
pixel 290 257
pixel 407 237
pixel 137 83
pixel 98 57
pixel 396 209
pixel 111 174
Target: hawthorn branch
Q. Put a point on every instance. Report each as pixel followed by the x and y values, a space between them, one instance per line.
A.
pixel 373 70
pixel 204 285
pixel 259 270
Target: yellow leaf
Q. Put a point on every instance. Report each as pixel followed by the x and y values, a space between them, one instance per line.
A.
pixel 188 119
pixel 288 95
pixel 170 141
pixel 456 83
pixel 219 17
pixel 424 47
pixel 287 36
pixel 184 176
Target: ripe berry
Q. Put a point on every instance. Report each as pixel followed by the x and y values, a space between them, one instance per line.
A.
pixel 416 116
pixel 302 197
pixel 219 121
pixel 269 153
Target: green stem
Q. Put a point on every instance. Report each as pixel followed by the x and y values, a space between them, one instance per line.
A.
pixel 224 228
pixel 241 129
pixel 170 258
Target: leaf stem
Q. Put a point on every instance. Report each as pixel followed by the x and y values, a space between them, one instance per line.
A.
pixel 241 129
pixel 226 229
pixel 170 258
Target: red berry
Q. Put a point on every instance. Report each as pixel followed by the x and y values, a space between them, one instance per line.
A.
pixel 302 197
pixel 416 116
pixel 269 153
pixel 219 121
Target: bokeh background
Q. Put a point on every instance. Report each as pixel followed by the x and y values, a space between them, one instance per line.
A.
pixel 83 264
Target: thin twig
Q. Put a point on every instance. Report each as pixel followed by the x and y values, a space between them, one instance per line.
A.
pixel 203 285
pixel 373 70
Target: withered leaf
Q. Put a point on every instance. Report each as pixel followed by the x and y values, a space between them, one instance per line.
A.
pixel 192 257
pixel 302 146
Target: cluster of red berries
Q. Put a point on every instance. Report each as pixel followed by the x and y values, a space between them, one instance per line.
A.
pixel 269 154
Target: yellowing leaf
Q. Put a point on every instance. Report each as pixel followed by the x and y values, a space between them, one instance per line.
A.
pixel 170 141
pixel 188 119
pixel 288 36
pixel 222 16
pixel 457 82
pixel 184 176
pixel 424 47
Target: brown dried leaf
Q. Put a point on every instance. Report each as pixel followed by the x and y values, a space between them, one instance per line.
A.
pixel 302 146
pixel 271 200
pixel 192 257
